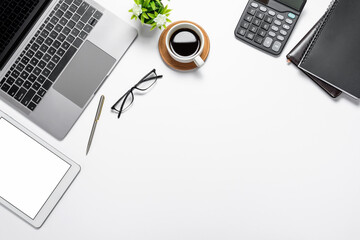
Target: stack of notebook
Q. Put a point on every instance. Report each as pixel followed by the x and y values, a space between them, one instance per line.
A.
pixel 329 53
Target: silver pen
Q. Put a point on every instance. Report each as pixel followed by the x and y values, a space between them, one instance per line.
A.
pixel 97 117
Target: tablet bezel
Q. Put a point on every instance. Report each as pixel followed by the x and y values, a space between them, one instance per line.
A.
pixel 60 189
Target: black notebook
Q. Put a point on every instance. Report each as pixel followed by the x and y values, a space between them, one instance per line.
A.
pixel 333 55
pixel 297 53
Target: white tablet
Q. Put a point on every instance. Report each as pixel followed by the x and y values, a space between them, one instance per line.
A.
pixel 33 176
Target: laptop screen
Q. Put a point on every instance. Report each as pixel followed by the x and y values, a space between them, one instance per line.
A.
pixel 16 19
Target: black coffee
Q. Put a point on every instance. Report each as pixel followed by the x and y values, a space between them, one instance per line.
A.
pixel 185 42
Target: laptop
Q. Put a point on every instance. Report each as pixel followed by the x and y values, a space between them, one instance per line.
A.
pixel 55 55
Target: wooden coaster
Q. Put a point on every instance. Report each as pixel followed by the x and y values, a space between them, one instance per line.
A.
pixel 175 64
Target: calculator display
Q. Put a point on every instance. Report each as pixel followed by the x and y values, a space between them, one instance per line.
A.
pixel 295 4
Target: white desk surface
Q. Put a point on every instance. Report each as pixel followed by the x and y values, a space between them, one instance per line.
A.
pixel 245 148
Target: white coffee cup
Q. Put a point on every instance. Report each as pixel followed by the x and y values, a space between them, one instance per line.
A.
pixel 196 58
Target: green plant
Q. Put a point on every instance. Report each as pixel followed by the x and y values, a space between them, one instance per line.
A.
pixel 151 12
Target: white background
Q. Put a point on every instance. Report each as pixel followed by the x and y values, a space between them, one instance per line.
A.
pixel 245 148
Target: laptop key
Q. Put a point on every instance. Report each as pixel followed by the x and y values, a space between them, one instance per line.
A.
pixel 36 86
pixel 51 65
pixel 80 25
pixel 46 72
pixel 29 95
pixel 71 24
pixel 41 79
pixel 5 87
pixel 54 20
pixel 78 42
pixel 20 94
pixel 63 62
pixel 83 35
pixel 82 8
pixel 27 85
pixel 98 15
pixel 88 28
pixel 64 7
pixel 32 106
pixel 61 37
pixel 42 64
pixel 66 45
pixel 47 84
pixel 76 17
pixel 68 14
pixel 20 67
pixel 10 80
pixel 59 13
pixel 25 60
pixel 36 99
pixel 93 22
pixel 77 2
pixel 88 14
pixel 41 92
pixel 13 90
pixel 73 8
pixel 19 82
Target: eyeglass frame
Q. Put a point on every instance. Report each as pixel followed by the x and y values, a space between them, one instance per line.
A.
pixel 130 92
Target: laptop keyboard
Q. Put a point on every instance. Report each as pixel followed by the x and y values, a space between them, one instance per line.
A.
pixel 49 51
pixel 9 25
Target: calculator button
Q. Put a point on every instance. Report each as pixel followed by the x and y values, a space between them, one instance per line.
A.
pixel 251 11
pixel 258 39
pixel 281 38
pixel 268 19
pixel 275 28
pixel 241 31
pixel 272 34
pixel 286 27
pixel 289 21
pixel 245 25
pixel 281 17
pixel 255 5
pixel 272 13
pixel 277 22
pixel 262 33
pixel 263 9
pixel 283 32
pixel 250 36
pixel 268 41
pixel 257 22
pixel 276 47
pixel 265 26
pixel 253 29
pixel 248 18
pixel 260 15
pixel 291 15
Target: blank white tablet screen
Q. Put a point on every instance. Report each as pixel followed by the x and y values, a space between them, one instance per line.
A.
pixel 29 173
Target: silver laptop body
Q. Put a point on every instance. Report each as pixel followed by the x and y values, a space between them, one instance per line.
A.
pixel 64 79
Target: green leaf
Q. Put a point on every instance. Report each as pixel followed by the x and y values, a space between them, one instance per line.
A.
pixel 142 19
pixel 130 10
pixel 153 26
pixel 144 9
pixel 151 15
pixel 146 3
pixel 145 16
pixel 153 6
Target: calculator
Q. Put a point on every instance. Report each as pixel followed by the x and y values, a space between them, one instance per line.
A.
pixel 268 24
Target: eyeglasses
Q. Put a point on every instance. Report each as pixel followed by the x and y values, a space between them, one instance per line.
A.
pixel 125 102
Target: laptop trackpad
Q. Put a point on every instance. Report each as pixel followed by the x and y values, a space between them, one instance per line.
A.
pixel 84 74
